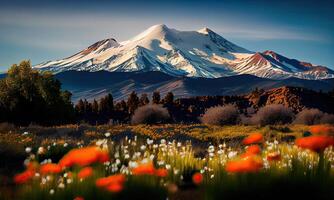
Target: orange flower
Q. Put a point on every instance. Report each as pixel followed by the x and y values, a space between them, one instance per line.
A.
pixel 112 183
pixel 104 156
pixel 275 156
pixel 251 151
pixel 161 172
pixel 50 168
pixel 248 164
pixel 105 181
pixel 144 169
pixel 24 176
pixel 84 156
pixel 78 198
pixel 321 129
pixel 85 172
pixel 253 138
pixel 115 187
pixel 197 178
pixel 315 143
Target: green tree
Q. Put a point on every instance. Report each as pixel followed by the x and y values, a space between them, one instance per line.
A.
pixel 27 96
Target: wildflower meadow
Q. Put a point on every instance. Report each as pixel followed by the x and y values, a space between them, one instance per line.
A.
pixel 139 167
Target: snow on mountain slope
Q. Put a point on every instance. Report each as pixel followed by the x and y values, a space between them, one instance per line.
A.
pixel 272 65
pixel 201 53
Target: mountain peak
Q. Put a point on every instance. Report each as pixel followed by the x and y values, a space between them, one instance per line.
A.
pixel 157 28
pixel 101 45
pixel 201 53
pixel 205 31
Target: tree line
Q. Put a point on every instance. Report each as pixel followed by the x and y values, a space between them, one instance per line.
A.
pixel 105 110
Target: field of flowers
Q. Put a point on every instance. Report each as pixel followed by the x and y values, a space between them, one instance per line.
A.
pixel 254 165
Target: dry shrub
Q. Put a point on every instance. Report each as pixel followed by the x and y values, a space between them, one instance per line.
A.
pixel 327 119
pixel 6 127
pixel 150 114
pixel 221 115
pixel 245 120
pixel 272 115
pixel 313 116
pixel 309 116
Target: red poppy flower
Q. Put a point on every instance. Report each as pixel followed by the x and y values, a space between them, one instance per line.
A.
pixel 115 187
pixel 24 176
pixel 103 156
pixel 85 172
pixel 105 181
pixel 50 168
pixel 197 178
pixel 315 143
pixel 161 172
pixel 253 138
pixel 321 129
pixel 275 156
pixel 84 156
pixel 251 150
pixel 144 169
pixel 246 165
pixel 78 198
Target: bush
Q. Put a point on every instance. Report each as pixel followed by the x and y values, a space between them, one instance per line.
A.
pixel 272 115
pixel 313 116
pixel 221 115
pixel 327 119
pixel 150 114
pixel 6 127
pixel 309 116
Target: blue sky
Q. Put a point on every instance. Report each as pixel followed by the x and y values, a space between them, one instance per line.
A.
pixel 46 30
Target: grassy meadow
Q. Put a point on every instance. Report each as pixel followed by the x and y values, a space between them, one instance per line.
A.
pixel 166 161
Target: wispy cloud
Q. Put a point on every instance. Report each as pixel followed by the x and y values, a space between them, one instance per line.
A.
pixel 71 30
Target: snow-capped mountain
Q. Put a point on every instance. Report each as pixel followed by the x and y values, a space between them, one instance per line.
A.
pixel 201 53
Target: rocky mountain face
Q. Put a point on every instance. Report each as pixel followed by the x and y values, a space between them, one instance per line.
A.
pixel 294 97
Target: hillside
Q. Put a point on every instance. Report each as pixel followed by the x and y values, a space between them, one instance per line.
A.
pixel 92 85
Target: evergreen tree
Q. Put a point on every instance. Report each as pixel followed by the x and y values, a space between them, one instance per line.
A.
pixel 106 106
pixel 156 97
pixel 95 107
pixel 133 102
pixel 143 100
pixel 80 107
pixel 169 98
pixel 88 108
pixel 109 104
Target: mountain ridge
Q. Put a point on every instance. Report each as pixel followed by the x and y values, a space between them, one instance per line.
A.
pixel 201 53
pixel 93 85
